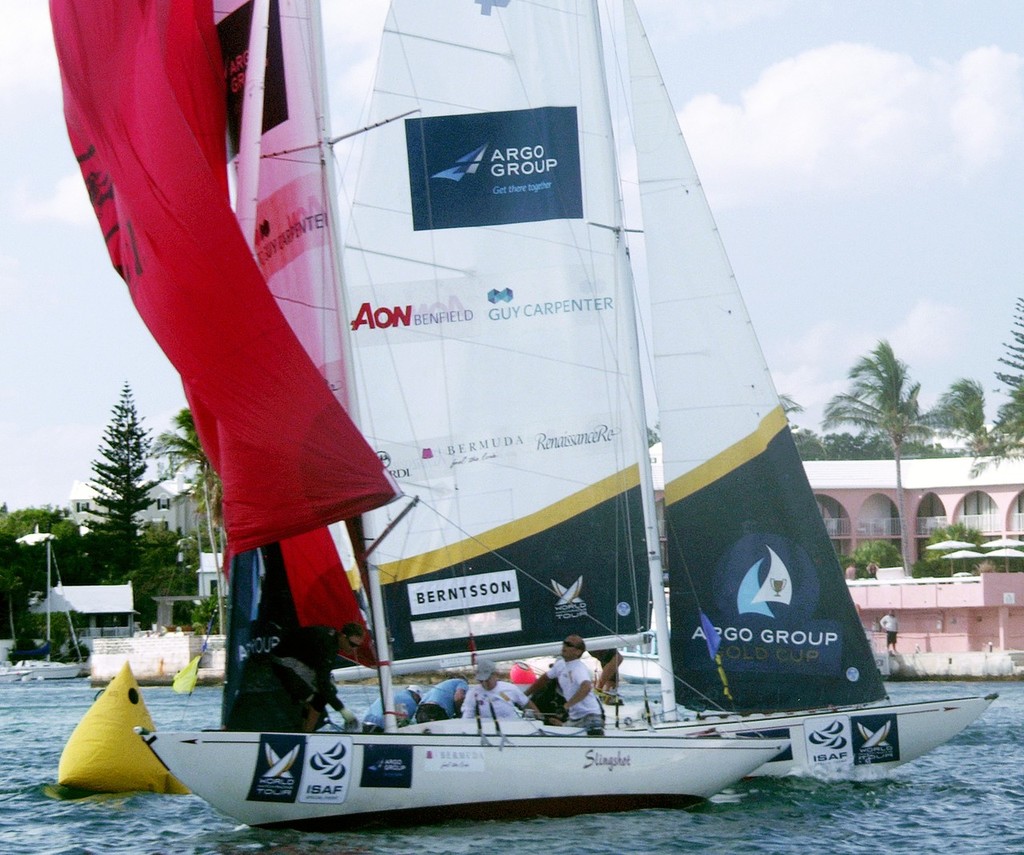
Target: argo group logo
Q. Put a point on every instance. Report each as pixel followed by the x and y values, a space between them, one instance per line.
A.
pixel 485 169
pixel 766 602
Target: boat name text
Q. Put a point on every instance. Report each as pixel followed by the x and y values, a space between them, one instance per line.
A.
pixel 595 759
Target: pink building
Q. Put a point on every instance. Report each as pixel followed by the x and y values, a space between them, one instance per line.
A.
pixel 958 615
pixel 857 499
pixel 975 613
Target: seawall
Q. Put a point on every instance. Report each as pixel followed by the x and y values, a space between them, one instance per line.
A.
pixel 155 659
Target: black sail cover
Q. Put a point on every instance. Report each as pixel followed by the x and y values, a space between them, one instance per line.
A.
pixel 751 552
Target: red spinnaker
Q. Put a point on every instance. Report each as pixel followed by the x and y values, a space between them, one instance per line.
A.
pixel 144 103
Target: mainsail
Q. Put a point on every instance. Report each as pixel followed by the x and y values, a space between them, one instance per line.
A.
pixel 143 99
pixel 746 543
pixel 494 332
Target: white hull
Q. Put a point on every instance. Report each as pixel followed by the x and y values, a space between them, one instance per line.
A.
pixel 29 670
pixel 449 770
pixel 639 668
pixel 846 742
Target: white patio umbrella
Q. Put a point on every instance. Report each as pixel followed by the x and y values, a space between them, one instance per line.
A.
pixel 1006 553
pixel 953 544
pixel 1002 543
pixel 964 553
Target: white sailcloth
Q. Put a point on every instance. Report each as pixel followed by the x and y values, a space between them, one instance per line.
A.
pixel 494 326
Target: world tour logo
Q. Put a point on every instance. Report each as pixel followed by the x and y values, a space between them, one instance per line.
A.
pixel 570 604
pixel 278 763
pixel 485 169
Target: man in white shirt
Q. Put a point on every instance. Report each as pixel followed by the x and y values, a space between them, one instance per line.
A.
pixel 494 698
pixel 891 626
pixel 581 706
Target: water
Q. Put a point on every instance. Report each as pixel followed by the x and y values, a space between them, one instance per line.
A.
pixel 967 796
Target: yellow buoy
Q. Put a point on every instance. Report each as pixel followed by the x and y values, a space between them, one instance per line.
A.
pixel 105 755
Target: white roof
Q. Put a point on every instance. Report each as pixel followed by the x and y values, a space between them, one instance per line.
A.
pixel 918 474
pixel 91 599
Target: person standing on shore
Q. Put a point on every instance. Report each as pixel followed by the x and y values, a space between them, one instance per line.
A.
pixel 890 623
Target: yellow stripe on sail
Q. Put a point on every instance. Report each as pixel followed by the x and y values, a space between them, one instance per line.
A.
pixel 728 460
pixel 520 529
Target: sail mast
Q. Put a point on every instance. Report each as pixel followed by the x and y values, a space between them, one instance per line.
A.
pixel 656 573
pixel 377 617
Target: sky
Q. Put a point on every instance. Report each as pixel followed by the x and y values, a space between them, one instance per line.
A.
pixel 864 162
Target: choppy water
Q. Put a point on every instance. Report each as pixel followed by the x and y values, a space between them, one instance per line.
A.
pixel 967 796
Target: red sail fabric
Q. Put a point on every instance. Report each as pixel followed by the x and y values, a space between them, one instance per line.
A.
pixel 319 586
pixel 143 100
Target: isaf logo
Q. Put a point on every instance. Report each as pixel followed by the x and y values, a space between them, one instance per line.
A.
pixel 330 763
pixel 829 737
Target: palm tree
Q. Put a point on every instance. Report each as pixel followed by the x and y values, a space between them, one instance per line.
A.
pixel 182 450
pixel 960 413
pixel 883 401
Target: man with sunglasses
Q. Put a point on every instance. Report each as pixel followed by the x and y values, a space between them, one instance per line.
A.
pixel 581 707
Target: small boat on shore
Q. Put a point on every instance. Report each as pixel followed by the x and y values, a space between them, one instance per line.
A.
pixel 28 670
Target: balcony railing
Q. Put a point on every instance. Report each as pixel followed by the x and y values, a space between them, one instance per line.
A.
pixel 882 527
pixel 105 632
pixel 926 525
pixel 837 527
pixel 985 523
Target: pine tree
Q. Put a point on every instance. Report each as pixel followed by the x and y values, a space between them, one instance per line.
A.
pixel 1008 434
pixel 1014 352
pixel 123 491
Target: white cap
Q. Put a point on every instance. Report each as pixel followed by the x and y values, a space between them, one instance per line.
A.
pixel 484 669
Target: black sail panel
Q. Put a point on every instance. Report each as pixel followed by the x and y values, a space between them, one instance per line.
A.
pixel 749 550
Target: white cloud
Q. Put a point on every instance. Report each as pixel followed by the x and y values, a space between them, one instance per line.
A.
pixel 28 59
pixel 69 203
pixel 988 108
pixel 930 332
pixel 855 118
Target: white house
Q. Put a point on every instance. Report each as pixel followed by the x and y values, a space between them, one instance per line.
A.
pixel 170 505
pixel 207 574
pixel 109 608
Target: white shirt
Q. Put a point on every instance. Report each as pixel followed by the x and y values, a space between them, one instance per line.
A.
pixel 503 698
pixel 889 623
pixel 570 676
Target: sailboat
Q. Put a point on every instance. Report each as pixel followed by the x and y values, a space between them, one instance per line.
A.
pixel 522 529
pixel 767 639
pixel 39 666
pixel 762 622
